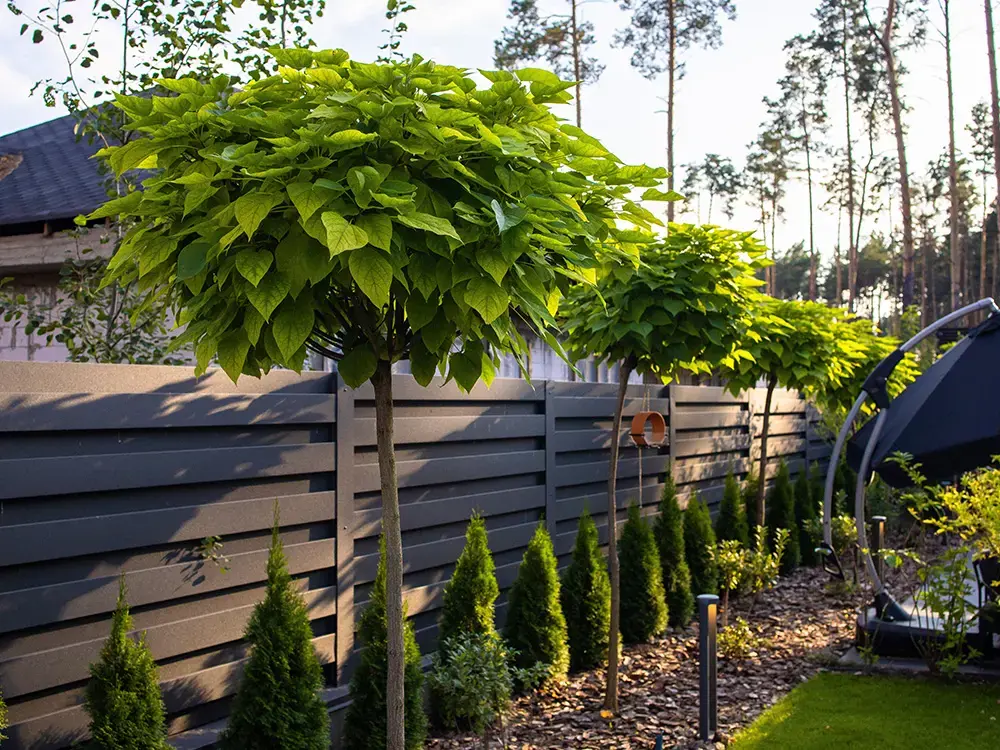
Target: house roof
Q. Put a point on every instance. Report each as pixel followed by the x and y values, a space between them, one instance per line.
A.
pixel 55 179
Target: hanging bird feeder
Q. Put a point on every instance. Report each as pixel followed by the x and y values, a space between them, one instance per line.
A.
pixel 659 429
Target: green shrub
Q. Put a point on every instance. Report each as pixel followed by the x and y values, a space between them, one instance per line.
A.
pixel 472 590
pixel 278 702
pixel 806 511
pixel 365 724
pixel 749 494
pixel 843 489
pixel 643 604
pixel 586 599
pixel 737 642
pixel 781 515
pixel 3 718
pixel 668 529
pixel 123 698
pixel 732 521
pixel 699 545
pixel 536 628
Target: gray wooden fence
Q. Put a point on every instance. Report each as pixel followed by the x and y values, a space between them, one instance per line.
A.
pixel 107 470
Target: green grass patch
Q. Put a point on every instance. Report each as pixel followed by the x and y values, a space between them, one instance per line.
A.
pixel 848 711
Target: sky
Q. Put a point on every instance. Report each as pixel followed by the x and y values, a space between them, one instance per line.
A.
pixel 719 101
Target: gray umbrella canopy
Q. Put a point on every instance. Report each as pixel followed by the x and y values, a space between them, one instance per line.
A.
pixel 948 419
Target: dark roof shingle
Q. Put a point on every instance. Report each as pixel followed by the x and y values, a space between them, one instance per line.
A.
pixel 56 178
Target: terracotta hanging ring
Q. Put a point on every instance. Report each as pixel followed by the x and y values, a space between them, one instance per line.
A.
pixel 658 423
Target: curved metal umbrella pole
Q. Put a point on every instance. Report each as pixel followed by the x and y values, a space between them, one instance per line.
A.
pixel 859 503
pixel 831 472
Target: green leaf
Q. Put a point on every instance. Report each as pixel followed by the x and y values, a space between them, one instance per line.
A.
pixel 293 324
pixel 420 311
pixel 653 194
pixel 132 154
pixel 253 208
pixel 345 139
pixel 487 298
pixel 341 235
pixel 308 197
pixel 378 227
pixel 428 222
pixel 372 272
pixel 233 348
pixel 538 74
pixel 357 366
pixel 422 273
pixel 198 195
pixel 509 217
pixel 465 370
pixel 253 264
pixel 252 324
pixel 423 364
pixel 267 295
pixel 191 260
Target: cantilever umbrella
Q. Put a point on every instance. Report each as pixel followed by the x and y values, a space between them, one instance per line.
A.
pixel 948 419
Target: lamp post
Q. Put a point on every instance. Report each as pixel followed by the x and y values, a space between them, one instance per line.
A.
pixel 708 706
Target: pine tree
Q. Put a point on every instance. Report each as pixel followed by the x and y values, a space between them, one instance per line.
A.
pixel 644 606
pixel 278 702
pixel 472 590
pixel 805 515
pixel 536 627
pixel 668 529
pixel 699 544
pixel 781 515
pixel 365 724
pixel 123 698
pixel 586 599
pixel 732 521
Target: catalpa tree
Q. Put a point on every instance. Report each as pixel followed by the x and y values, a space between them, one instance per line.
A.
pixel 371 213
pixel 686 306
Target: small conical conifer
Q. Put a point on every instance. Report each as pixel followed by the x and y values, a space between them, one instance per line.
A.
pixel 806 511
pixel 732 521
pixel 781 515
pixel 668 529
pixel 586 599
pixel 699 546
pixel 643 604
pixel 472 590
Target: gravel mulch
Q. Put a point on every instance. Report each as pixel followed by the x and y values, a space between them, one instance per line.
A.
pixel 802 628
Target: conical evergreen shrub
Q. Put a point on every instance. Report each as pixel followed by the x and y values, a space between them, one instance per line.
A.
pixel 586 599
pixel 536 628
pixel 805 516
pixel 668 529
pixel 3 718
pixel 781 515
pixel 643 604
pixel 472 590
pixel 365 724
pixel 278 702
pixel 749 495
pixel 699 547
pixel 732 521
pixel 123 698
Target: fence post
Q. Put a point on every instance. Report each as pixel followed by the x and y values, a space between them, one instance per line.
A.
pixel 878 544
pixel 671 426
pixel 550 460
pixel 708 708
pixel 345 527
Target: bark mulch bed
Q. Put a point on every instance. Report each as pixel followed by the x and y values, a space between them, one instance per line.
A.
pixel 802 628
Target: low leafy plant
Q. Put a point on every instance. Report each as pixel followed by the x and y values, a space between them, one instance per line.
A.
pixel 732 520
pixel 668 529
pixel 737 641
pixel 781 515
pixel 943 606
pixel 699 543
pixel 123 698
pixel 844 538
pixel 536 627
pixel 586 599
pixel 733 562
pixel 764 563
pixel 643 604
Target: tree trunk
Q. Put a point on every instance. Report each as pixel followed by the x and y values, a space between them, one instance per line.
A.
pixel 382 382
pixel 995 111
pixel 852 251
pixel 671 72
pixel 982 250
pixel 954 246
pixel 809 184
pixel 885 41
pixel 836 262
pixel 576 64
pixel 611 694
pixel 762 489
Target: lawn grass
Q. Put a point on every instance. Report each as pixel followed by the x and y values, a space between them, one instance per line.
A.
pixel 845 711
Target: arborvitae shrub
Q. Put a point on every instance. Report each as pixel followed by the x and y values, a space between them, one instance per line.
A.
pixel 586 599
pixel 732 521
pixel 699 546
pixel 472 590
pixel 843 489
pixel 781 515
pixel 123 698
pixel 278 702
pixel 536 628
pixel 365 724
pixel 3 718
pixel 643 604
pixel 668 530
pixel 749 494
pixel 805 517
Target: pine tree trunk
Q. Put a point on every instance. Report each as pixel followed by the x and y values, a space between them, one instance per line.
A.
pixel 852 251
pixel 995 112
pixel 671 72
pixel 954 245
pixel 809 184
pixel 576 64
pixel 762 489
pixel 382 382
pixel 982 250
pixel 611 693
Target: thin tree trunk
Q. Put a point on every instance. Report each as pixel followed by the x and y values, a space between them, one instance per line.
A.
pixel 954 246
pixel 995 111
pixel 671 72
pixel 382 382
pixel 576 64
pixel 852 251
pixel 836 262
pixel 809 184
pixel 982 250
pixel 762 489
pixel 611 694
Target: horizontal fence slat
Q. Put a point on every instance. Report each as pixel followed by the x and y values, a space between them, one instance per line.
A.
pixel 457 469
pixel 452 429
pixel 605 407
